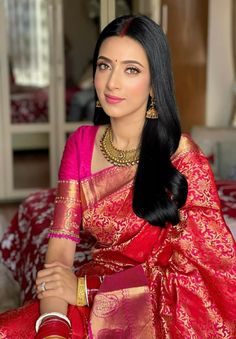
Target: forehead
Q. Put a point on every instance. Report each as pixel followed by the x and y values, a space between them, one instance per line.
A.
pixel 123 48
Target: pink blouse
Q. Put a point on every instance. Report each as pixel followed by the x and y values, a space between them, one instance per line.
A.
pixel 75 165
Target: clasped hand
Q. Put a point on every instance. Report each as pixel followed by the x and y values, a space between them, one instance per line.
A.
pixel 57 280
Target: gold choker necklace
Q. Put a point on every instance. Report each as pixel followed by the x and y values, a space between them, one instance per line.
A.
pixel 114 155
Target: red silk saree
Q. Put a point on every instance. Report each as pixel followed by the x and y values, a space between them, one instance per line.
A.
pixel 177 282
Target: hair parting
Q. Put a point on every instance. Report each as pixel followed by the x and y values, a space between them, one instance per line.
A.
pixel 125 28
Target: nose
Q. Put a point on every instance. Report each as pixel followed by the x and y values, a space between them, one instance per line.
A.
pixel 113 81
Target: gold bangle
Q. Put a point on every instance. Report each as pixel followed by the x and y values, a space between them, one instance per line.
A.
pixel 81 295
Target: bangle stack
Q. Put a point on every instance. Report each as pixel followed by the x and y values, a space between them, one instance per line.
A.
pixel 56 323
pixel 93 284
pixel 87 288
pixel 53 323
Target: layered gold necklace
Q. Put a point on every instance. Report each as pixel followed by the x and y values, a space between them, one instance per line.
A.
pixel 114 155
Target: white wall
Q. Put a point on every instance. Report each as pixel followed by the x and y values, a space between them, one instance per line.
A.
pixel 220 64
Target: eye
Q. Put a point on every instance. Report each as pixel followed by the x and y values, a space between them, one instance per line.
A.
pixel 132 70
pixel 103 66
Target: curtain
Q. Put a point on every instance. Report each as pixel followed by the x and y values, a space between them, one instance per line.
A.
pixel 28 41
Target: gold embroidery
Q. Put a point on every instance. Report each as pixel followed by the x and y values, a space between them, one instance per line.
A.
pixel 103 184
pixel 67 214
pixel 185 145
pixel 63 233
pixel 74 182
pixel 61 199
pixel 186 265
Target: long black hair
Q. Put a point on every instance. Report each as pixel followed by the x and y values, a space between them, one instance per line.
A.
pixel 159 188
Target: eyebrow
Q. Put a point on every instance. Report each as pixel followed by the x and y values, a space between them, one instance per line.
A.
pixel 123 62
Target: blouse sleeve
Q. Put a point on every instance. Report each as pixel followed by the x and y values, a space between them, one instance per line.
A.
pixel 67 214
pixel 193 273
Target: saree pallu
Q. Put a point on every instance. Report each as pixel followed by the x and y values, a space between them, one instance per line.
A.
pixel 183 283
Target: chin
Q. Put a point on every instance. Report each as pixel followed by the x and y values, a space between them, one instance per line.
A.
pixel 114 113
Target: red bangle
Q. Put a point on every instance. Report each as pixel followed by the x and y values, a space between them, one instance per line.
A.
pixel 54 326
pixel 93 285
pixel 53 330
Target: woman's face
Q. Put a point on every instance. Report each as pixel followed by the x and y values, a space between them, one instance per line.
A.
pixel 122 78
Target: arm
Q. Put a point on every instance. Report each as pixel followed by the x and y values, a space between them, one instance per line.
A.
pixel 59 251
pixel 64 232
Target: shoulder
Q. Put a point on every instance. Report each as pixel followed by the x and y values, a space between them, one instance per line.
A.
pixel 82 141
pixel 83 133
pixel 189 156
pixel 77 153
pixel 188 152
pixel 194 165
pixel 186 145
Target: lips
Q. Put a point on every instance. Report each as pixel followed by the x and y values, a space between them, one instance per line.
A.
pixel 111 99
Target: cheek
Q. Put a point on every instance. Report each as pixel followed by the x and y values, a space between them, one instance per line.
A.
pixel 98 82
pixel 140 88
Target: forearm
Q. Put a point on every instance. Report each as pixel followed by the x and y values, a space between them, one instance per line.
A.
pixel 53 304
pixel 58 252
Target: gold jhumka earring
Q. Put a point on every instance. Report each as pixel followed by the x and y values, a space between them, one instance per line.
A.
pixel 152 112
pixel 98 105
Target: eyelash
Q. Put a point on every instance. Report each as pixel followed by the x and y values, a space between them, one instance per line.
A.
pixel 102 66
pixel 130 70
pixel 133 70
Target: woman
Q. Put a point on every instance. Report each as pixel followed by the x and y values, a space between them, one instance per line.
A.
pixel 164 262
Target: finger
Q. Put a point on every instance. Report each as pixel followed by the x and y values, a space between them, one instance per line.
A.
pixel 41 288
pixel 57 287
pixel 57 264
pixel 44 272
pixel 53 268
pixel 48 285
pixel 50 270
pixel 60 293
pixel 51 276
pixel 54 274
pixel 41 278
pixel 53 289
